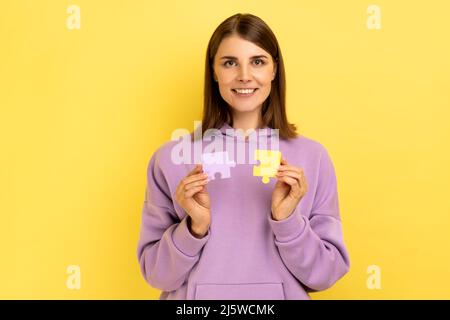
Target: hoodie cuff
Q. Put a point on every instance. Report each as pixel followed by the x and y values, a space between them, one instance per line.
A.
pixel 185 241
pixel 290 228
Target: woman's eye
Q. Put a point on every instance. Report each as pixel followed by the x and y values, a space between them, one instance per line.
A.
pixel 260 62
pixel 226 63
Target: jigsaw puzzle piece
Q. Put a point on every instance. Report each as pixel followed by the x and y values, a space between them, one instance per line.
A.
pixel 217 162
pixel 269 163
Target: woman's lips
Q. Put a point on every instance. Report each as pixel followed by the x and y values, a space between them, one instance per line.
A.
pixel 244 94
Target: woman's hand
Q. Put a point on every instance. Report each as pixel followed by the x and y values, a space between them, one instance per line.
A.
pixel 289 190
pixel 192 196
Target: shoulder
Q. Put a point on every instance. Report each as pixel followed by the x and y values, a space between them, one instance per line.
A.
pixel 308 153
pixel 305 144
pixel 162 155
pixel 170 155
pixel 165 149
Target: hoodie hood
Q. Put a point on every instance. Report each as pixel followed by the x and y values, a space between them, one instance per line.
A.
pixel 229 131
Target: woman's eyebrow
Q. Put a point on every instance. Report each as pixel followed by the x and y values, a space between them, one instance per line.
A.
pixel 234 58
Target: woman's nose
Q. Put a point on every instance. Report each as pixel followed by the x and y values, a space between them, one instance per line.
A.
pixel 244 74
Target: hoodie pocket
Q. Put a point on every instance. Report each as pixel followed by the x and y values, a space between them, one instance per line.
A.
pixel 240 291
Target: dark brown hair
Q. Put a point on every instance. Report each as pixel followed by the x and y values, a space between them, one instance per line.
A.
pixel 216 110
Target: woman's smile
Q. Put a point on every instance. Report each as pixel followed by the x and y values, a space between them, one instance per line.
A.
pixel 244 93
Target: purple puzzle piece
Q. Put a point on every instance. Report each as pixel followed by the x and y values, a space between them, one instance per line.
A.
pixel 217 162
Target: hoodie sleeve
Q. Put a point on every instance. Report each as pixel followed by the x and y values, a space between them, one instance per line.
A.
pixel 313 249
pixel 166 251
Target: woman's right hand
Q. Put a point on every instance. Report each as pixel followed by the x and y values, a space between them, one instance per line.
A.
pixel 192 196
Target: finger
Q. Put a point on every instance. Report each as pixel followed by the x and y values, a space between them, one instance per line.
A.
pixel 289 173
pixel 290 168
pixel 192 176
pixel 195 177
pixel 192 191
pixel 293 183
pixel 283 161
pixel 302 184
pixel 301 179
pixel 290 181
pixel 293 175
pixel 198 168
pixel 195 184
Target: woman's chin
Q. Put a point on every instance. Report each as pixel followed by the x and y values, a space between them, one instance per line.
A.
pixel 245 108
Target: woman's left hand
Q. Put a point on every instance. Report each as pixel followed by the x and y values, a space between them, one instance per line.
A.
pixel 289 190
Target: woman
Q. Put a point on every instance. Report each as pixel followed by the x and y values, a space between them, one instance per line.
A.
pixel 203 237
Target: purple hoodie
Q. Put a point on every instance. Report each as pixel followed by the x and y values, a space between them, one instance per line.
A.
pixel 245 253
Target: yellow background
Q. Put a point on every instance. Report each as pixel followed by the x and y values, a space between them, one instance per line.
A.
pixel 83 110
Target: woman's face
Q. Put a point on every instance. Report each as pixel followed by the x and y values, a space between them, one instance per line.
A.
pixel 240 64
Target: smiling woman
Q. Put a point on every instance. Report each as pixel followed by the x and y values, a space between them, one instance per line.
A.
pixel 240 236
pixel 245 77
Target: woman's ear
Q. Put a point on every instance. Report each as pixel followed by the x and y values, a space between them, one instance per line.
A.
pixel 274 70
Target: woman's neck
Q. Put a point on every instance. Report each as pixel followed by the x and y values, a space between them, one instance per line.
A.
pixel 247 120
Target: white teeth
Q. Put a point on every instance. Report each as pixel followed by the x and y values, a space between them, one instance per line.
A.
pixel 244 90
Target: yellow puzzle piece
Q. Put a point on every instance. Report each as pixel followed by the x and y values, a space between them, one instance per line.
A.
pixel 269 163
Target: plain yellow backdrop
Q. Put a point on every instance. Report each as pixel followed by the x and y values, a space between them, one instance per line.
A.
pixel 82 111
